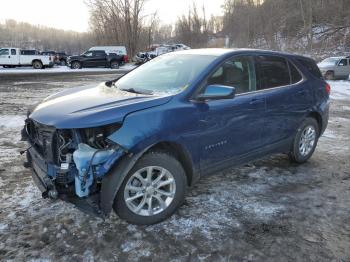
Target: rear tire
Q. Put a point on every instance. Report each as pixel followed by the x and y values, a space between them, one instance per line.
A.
pixel 157 200
pixel 114 65
pixel 305 141
pixel 37 65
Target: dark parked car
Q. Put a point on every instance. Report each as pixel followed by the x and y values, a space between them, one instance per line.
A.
pixel 135 144
pixel 95 58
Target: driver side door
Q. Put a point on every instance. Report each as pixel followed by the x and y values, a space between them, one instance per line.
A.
pixel 343 68
pixel 232 129
pixel 5 57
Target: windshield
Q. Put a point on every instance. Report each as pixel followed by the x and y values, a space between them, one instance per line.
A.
pixel 330 60
pixel 169 73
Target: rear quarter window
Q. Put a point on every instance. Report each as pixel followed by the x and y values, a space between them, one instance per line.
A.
pixel 311 66
pixel 294 74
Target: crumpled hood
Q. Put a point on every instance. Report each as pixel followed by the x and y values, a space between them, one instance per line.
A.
pixel 91 106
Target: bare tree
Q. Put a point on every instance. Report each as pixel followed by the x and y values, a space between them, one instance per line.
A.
pixel 118 22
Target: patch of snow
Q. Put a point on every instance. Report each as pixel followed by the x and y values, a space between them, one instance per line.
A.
pixel 11 121
pixel 3 227
pixel 340 90
pixel 329 134
pixel 130 245
pixel 61 69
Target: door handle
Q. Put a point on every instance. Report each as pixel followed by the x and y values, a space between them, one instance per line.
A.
pixel 9 56
pixel 255 101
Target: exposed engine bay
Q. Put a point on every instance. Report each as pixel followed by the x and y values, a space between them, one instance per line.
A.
pixel 74 160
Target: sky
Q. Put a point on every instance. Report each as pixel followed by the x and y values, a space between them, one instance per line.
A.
pixel 74 14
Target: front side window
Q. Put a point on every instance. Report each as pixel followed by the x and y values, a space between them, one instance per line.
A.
pixel 168 73
pixel 343 62
pixel 273 71
pixel 4 52
pixel 89 54
pixel 238 72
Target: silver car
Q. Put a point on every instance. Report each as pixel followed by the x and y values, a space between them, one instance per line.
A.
pixel 335 67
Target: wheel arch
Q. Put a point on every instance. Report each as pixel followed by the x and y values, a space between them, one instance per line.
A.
pixel 112 181
pixel 180 153
pixel 317 116
pixel 37 60
pixel 76 60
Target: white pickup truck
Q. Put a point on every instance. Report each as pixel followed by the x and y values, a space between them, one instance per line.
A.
pixel 12 57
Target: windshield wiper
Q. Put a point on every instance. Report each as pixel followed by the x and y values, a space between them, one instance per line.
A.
pixel 137 91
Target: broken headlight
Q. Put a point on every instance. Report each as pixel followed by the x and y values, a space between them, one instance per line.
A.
pixel 96 137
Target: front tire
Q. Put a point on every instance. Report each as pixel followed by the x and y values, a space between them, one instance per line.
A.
pixel 305 141
pixel 152 191
pixel 75 65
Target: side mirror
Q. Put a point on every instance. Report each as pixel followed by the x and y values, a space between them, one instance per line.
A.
pixel 215 92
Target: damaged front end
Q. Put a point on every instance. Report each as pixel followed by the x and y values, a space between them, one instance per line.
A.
pixel 71 163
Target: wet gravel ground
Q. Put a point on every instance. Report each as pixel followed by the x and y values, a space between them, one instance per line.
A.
pixel 270 210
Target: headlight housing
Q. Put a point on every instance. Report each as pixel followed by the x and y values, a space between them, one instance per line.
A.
pixel 97 137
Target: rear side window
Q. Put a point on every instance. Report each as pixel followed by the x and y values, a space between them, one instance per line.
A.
pixel 274 72
pixel 99 53
pixel 311 66
pixel 294 74
pixel 13 51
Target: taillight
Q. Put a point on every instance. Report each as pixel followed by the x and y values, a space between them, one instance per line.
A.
pixel 126 59
pixel 328 89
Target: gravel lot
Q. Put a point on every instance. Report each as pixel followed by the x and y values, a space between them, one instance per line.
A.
pixel 268 210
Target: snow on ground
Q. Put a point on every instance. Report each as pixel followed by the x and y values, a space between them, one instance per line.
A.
pixel 270 210
pixel 340 89
pixel 61 69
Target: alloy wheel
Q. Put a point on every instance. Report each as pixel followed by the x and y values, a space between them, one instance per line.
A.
pixel 307 140
pixel 149 191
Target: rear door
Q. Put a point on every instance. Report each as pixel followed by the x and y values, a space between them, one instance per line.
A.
pixel 288 97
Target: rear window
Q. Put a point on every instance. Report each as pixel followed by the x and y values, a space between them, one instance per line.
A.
pixel 311 66
pixel 274 71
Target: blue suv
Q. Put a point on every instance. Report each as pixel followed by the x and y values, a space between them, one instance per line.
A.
pixel 136 144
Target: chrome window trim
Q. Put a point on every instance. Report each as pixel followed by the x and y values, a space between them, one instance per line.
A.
pixel 254 56
pixel 303 79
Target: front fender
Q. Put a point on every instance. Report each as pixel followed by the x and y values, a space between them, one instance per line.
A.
pixel 143 129
pixel 114 179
